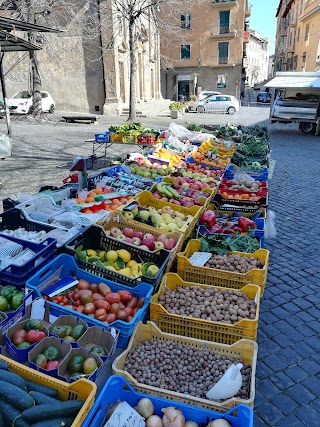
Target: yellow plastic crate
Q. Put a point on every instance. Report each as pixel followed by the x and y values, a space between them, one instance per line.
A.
pixel 146 198
pixel 82 389
pixel 115 219
pixel 212 207
pixel 216 277
pixel 116 137
pixel 172 180
pixel 200 328
pixel 245 350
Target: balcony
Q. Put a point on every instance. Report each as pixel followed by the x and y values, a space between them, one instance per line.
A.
pixel 223 31
pixel 224 4
pixel 223 61
pixel 293 24
pixel 247 12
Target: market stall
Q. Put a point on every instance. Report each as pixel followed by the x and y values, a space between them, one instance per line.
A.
pixel 153 271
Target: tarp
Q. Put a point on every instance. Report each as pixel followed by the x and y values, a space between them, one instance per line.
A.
pixel 295 80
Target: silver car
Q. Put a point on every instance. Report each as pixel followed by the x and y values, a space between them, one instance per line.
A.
pixel 218 104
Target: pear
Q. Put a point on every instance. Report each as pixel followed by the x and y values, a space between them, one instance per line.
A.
pixel 124 254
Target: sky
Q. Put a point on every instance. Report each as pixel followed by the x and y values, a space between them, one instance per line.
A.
pixel 263 19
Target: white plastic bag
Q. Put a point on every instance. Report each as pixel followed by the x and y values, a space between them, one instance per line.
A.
pixel 5 146
pixel 229 385
pixel 270 231
pixel 180 131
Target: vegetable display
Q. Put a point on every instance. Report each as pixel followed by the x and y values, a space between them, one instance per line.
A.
pixel 237 263
pixel 221 245
pixel 24 338
pixel 11 298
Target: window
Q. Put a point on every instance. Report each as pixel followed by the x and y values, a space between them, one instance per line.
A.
pixel 301 4
pixel 225 98
pixel 224 22
pixel 214 99
pixel 303 59
pixel 185 51
pixel 223 49
pixel 186 21
pixel 298 35
pixel 306 34
pixel 290 39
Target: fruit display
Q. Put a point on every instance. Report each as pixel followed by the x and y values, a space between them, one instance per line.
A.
pixel 27 335
pixel 79 366
pixel 120 260
pixel 11 298
pixel 240 196
pixel 96 202
pixel 174 159
pixel 211 163
pixel 243 184
pixel 225 224
pixel 203 184
pixel 146 241
pixel 147 169
pixel 165 218
pixel 67 332
pixel 98 301
pixel 199 169
pixel 180 197
pixel 181 367
pixel 49 358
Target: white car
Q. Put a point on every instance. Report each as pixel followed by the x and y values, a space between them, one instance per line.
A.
pixel 218 104
pixel 201 95
pixel 21 102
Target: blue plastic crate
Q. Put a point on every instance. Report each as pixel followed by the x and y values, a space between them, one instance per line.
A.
pixel 117 388
pixel 64 266
pixel 257 232
pixel 261 175
pixel 102 137
pixel 44 252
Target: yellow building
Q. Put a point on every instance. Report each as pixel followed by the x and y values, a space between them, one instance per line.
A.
pixel 298 36
pixel 207 50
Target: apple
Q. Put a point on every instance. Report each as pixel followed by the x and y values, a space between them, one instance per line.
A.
pixel 115 231
pixel 158 246
pixel 149 243
pixel 136 241
pixel 144 247
pixel 128 216
pixel 162 238
pixel 170 244
pixel 138 234
pixel 144 215
pixel 128 240
pixel 107 232
pixel 121 237
pixel 128 232
pixel 148 236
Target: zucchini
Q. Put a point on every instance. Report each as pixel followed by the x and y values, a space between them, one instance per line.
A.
pixel 14 395
pixel 12 378
pixel 57 422
pixel 31 386
pixel 41 398
pixel 49 411
pixel 12 415
pixel 4 366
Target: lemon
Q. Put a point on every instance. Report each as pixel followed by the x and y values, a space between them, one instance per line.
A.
pixel 131 263
pixel 91 252
pixel 125 271
pixel 125 255
pixel 112 256
pixel 109 267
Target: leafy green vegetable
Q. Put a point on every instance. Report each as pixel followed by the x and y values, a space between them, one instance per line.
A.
pixel 221 245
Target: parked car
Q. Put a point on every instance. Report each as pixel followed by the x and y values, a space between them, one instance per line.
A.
pixel 201 95
pixel 219 104
pixel 22 102
pixel 264 97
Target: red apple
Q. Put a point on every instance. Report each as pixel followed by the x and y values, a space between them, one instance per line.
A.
pixel 128 240
pixel 114 232
pixel 170 244
pixel 148 236
pixel 162 238
pixel 149 243
pixel 137 234
pixel 128 232
pixel 136 241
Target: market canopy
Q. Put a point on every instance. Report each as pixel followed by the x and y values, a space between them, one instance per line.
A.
pixel 11 43
pixel 10 24
pixel 295 80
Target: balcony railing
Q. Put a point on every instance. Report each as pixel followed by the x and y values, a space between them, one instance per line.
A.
pixel 223 31
pixel 224 3
pixel 220 61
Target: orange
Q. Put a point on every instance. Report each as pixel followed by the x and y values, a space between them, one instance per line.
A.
pixel 92 194
pixel 113 207
pixel 116 202
pixel 97 191
pixel 89 200
pixel 80 201
pixel 87 211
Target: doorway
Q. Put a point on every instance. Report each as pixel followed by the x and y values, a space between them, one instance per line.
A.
pixel 183 90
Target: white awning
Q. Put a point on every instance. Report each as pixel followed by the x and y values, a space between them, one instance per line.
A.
pixel 295 80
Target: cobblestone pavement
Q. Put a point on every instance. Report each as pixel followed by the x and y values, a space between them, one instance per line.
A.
pixel 288 369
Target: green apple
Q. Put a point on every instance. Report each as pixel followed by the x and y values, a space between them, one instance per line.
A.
pixel 144 215
pixel 128 215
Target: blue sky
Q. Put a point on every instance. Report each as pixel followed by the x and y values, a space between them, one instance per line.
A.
pixel 263 19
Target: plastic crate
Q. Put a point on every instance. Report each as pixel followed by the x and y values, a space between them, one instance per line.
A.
pixel 245 350
pixel 256 232
pixel 118 389
pixel 115 219
pixel 102 137
pixel 58 195
pixel 261 175
pixel 172 180
pixel 200 328
pixel 44 252
pixel 81 389
pixel 215 277
pixel 204 201
pixel 223 167
pixel 116 137
pixel 225 183
pixel 146 140
pixel 95 238
pixel 65 265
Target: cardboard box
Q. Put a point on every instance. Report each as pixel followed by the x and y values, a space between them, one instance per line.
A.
pixel 68 320
pixel 63 373
pixel 19 313
pixel 106 338
pixel 63 346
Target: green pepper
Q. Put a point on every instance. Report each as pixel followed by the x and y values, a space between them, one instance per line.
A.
pixel 17 300
pixel 51 353
pixel 8 292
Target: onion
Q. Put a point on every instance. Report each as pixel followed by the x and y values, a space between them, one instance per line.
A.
pixel 145 408
pixel 172 417
pixel 191 424
pixel 154 421
pixel 219 423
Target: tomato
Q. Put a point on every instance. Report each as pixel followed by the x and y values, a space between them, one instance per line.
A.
pixel 53 364
pixel 94 287
pixel 61 303
pixel 77 331
pixel 99 351
pixel 132 303
pixel 104 289
pixel 113 297
pixel 101 314
pixel 70 295
pixel 114 308
pixel 76 297
pixel 111 317
pixel 84 292
pixel 129 311
pixel 54 300
pixel 129 319
pixel 83 284
pixel 75 364
pixel 135 311
pixel 102 304
pixel 77 303
pixel 35 336
pixel 51 353
pixel 125 295
pixel 97 296
pixel 60 331
pixel 19 336
pixel 80 308
pixel 121 305
pixel 89 308
pixel 23 345
pixel 65 300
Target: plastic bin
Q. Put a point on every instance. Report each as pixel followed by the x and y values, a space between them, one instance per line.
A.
pixel 245 350
pixel 64 266
pixel 81 389
pixel 204 201
pixel 215 277
pixel 200 328
pixel 95 238
pixel 116 137
pixel 115 219
pixel 44 252
pixel 102 137
pixel 118 389
pixel 261 175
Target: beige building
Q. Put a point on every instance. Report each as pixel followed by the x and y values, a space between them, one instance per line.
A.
pixel 207 51
pixel 298 36
pixel 257 58
pixel 90 73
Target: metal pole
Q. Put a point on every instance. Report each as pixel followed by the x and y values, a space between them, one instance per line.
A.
pixel 4 94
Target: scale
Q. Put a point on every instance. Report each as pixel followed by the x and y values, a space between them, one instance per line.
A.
pixel 81 165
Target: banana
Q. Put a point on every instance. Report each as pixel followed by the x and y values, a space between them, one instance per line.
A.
pixel 167 191
pixel 160 188
pixel 175 194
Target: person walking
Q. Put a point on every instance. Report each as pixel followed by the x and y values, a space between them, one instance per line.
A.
pixel 318 120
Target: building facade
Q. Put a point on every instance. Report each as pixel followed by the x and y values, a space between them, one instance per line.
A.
pixel 90 72
pixel 208 50
pixel 298 36
pixel 257 58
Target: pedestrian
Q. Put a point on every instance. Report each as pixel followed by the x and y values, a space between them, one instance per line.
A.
pixel 318 119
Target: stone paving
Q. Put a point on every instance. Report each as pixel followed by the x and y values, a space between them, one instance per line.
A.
pixel 288 369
